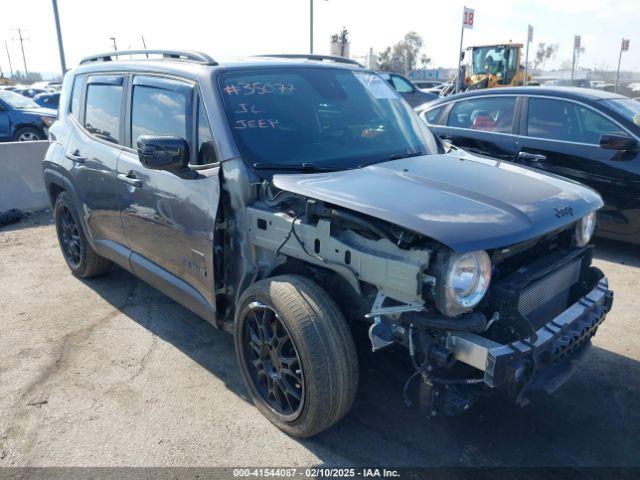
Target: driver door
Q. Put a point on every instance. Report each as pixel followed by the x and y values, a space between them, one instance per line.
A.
pixel 169 218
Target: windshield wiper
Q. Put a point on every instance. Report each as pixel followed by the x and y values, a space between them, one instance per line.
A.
pixel 398 156
pixel 395 156
pixel 300 167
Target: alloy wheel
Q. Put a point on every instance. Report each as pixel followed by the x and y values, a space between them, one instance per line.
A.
pixel 273 361
pixel 28 137
pixel 69 237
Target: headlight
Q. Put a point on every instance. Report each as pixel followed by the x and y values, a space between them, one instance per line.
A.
pixel 48 121
pixel 584 229
pixel 463 283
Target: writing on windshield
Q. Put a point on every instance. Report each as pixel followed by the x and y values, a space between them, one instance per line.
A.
pixel 321 116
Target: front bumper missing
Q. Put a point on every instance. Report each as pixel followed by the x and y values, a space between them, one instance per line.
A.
pixel 541 365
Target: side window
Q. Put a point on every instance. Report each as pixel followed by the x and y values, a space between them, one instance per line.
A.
pixel 102 116
pixel 431 116
pixel 76 96
pixel 206 148
pixel 568 121
pixel 494 114
pixel 594 125
pixel 156 111
pixel 401 85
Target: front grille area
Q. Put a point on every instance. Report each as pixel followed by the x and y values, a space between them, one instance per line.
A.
pixel 556 284
pixel 535 293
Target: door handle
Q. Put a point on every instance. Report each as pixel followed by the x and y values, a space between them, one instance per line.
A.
pixel 536 157
pixel 130 179
pixel 76 157
pixel 448 138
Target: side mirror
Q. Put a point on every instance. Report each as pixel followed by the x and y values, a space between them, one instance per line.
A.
pixel 163 152
pixel 618 142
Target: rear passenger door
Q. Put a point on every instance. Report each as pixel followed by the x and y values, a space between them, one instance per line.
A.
pixel 169 218
pixel 91 156
pixel 480 125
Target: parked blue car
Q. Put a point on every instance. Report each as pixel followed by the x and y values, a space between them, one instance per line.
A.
pixel 48 100
pixel 22 119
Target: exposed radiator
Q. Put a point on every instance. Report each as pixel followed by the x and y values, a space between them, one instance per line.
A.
pixel 553 287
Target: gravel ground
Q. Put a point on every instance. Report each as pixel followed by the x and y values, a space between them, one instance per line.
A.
pixel 110 372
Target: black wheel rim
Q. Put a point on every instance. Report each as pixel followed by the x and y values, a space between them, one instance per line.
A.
pixel 69 237
pixel 272 361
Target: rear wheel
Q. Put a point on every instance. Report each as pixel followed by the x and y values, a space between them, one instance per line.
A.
pixel 296 354
pixel 83 261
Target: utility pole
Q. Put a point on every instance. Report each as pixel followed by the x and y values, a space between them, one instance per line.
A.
pixel 144 44
pixel 63 63
pixel 24 58
pixel 311 26
pixel 115 47
pixel 9 58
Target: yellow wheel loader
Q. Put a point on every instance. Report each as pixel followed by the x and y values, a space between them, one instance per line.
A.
pixel 491 66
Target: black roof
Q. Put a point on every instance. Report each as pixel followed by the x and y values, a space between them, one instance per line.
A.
pixel 584 94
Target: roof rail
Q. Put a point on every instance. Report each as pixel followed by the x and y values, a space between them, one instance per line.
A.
pixel 320 58
pixel 170 54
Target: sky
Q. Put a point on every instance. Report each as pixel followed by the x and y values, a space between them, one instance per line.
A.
pixel 248 27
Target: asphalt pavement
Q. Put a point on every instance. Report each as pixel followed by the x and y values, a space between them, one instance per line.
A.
pixel 109 372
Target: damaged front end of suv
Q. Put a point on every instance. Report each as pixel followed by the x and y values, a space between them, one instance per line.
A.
pixel 504 299
pixel 479 267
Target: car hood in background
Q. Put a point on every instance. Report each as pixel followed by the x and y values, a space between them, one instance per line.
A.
pixel 43 112
pixel 466 202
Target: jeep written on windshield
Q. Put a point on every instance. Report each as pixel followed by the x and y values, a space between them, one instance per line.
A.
pixel 286 199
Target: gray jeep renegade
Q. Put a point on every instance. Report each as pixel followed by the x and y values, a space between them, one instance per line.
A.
pixel 289 199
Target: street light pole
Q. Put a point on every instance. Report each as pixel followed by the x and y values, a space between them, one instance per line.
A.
pixel 311 26
pixel 115 47
pixel 63 63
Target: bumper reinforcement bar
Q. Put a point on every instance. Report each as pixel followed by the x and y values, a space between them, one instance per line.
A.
pixel 561 337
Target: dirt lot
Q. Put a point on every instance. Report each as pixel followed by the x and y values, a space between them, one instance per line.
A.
pixel 110 372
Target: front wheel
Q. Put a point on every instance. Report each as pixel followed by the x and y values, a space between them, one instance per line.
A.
pixel 29 134
pixel 296 354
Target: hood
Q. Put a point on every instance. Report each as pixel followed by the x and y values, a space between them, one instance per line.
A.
pixel 465 202
pixel 43 112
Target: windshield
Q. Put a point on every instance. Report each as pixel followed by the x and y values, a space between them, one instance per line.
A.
pixel 628 108
pixel 322 117
pixel 15 100
pixel 496 60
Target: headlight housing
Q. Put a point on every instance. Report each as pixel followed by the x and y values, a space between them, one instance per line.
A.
pixel 584 229
pixel 463 282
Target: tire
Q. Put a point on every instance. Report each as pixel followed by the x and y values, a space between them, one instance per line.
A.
pixel 28 134
pixel 321 342
pixel 83 261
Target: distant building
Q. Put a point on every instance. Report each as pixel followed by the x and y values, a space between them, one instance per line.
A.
pixel 440 74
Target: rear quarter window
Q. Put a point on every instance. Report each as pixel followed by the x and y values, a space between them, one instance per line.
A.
pixel 76 96
pixel 432 117
pixel 102 117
